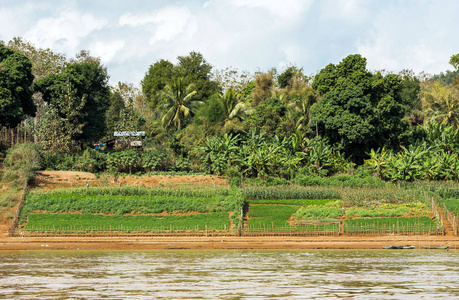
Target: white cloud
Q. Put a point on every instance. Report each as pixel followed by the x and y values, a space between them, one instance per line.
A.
pixel 165 24
pixel 64 33
pixel 415 37
pixel 350 11
pixel 284 9
pixel 106 50
pixel 9 27
pixel 246 34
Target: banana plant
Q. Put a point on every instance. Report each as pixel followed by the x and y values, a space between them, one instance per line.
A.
pixel 378 161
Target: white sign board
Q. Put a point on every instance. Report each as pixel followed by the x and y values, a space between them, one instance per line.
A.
pixel 129 133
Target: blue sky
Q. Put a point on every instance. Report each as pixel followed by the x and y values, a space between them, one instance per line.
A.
pixel 250 35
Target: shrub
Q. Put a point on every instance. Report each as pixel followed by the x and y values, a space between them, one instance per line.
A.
pixel 21 162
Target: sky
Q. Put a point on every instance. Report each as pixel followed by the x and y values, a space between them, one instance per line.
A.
pixel 249 35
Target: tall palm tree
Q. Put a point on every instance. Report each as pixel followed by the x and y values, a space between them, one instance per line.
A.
pixel 233 105
pixel 179 102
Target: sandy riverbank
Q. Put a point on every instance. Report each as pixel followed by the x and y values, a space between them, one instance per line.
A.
pixel 210 243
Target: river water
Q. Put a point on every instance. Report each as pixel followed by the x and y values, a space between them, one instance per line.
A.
pixel 313 274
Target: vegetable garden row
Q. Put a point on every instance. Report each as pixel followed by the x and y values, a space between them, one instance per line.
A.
pixel 254 211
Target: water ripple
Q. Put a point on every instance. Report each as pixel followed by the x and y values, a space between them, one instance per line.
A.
pixel 319 274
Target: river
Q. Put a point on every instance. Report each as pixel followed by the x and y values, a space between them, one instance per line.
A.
pixel 306 274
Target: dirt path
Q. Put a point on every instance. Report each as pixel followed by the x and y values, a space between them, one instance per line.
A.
pixel 209 243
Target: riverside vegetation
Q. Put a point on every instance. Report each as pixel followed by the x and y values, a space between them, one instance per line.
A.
pixel 341 144
pixel 278 209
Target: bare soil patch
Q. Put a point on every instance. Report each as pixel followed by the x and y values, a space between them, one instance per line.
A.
pixel 63 179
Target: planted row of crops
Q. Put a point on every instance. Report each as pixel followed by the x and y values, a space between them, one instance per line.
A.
pixel 148 201
pixel 402 225
pixel 126 223
pixel 289 192
pixel 446 195
pixel 276 209
pixel 271 209
pixel 132 209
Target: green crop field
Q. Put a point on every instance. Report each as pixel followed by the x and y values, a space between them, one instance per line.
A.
pixel 272 215
pixel 289 192
pixel 369 196
pixel 452 204
pixel 389 210
pixel 273 218
pixel 318 213
pixel 389 225
pixel 107 201
pixel 297 202
pixel 99 222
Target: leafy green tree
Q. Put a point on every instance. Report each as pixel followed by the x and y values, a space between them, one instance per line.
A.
pixel 194 69
pixel 60 125
pixel 90 80
pixel 112 116
pixel 44 61
pixel 270 116
pixel 158 76
pixel 358 111
pixel 410 91
pixel 214 110
pixel 179 102
pixel 15 93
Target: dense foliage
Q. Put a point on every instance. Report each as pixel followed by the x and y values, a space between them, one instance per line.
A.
pixel 15 87
pixel 272 126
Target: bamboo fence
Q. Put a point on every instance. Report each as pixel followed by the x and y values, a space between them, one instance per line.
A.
pixel 11 136
pixel 305 230
pixel 330 229
pixel 398 228
pixel 120 231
